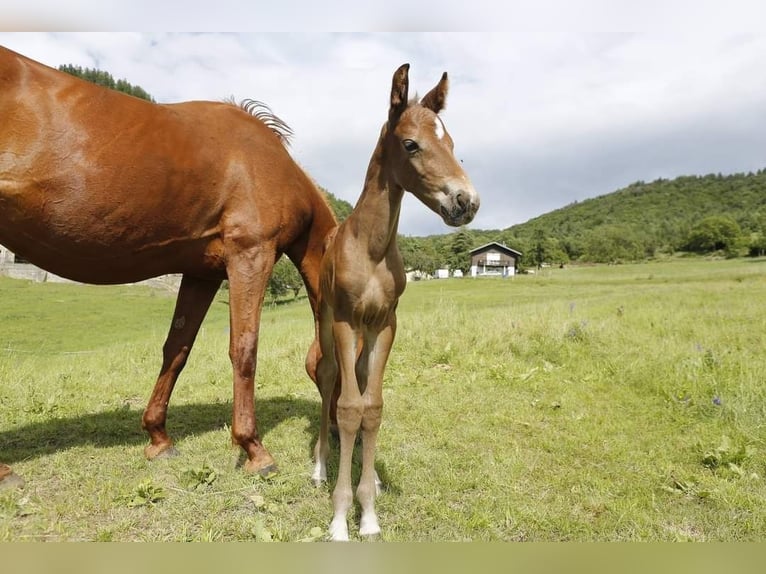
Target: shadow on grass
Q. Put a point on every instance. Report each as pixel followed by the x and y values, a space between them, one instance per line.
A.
pixel 122 427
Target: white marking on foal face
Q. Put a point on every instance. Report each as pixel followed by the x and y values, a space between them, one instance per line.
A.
pixel 439 127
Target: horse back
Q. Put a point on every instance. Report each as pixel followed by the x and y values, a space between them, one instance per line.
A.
pixel 90 174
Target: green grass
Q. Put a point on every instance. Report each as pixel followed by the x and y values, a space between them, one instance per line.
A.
pixel 589 403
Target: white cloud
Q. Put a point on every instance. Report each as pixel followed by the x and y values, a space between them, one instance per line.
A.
pixel 539 119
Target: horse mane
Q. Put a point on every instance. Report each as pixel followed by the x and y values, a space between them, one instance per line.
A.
pixel 262 112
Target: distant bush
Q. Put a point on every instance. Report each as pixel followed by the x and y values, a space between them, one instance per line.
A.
pixel 714 233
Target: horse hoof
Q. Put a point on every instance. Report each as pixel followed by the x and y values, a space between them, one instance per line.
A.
pixel 11 480
pixel 159 452
pixel 265 471
pixel 171 452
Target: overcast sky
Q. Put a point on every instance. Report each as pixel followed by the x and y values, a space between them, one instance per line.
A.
pixel 539 120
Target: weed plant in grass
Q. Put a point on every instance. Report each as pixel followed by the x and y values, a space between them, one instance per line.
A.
pixel 587 403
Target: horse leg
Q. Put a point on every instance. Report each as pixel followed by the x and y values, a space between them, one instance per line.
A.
pixel 193 301
pixel 326 372
pixel 248 276
pixel 377 346
pixel 350 409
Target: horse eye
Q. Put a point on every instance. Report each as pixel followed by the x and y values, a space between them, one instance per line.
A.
pixel 410 146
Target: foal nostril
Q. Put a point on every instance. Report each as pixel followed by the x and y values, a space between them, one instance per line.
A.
pixel 461 201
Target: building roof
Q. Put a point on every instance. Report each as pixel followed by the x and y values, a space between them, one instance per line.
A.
pixel 495 245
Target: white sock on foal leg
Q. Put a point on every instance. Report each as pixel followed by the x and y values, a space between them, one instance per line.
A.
pixel 339 528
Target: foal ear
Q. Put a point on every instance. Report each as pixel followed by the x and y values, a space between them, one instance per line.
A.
pixel 436 99
pixel 399 89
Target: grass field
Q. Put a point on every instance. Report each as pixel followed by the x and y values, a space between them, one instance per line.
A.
pixel 588 403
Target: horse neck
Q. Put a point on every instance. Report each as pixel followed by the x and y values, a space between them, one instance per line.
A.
pixel 376 214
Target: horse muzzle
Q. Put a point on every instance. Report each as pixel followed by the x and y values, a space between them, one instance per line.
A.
pixel 461 207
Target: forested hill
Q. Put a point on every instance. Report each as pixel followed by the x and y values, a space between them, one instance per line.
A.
pixel 644 218
pixel 691 213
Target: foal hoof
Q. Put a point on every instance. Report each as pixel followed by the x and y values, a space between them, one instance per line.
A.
pixel 9 479
pixel 159 452
pixel 374 537
pixel 369 529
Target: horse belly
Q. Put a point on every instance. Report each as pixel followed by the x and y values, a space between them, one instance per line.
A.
pixel 71 238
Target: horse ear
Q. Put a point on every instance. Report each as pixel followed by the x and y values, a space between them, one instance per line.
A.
pixel 399 89
pixel 436 99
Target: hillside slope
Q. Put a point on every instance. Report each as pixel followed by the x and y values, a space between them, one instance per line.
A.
pixel 643 218
pixel 638 221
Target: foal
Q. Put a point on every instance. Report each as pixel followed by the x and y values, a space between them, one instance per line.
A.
pixel 362 278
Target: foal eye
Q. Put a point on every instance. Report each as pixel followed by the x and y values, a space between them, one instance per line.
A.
pixel 410 146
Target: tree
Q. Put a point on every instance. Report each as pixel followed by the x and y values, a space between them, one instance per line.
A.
pixel 538 249
pixel 613 243
pixel 461 244
pixel 284 278
pixel 105 79
pixel 340 207
pixel 714 233
pixel 757 245
pixel 418 255
pixel 542 249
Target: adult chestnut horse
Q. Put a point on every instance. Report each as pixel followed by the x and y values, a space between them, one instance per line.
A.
pixel 362 278
pixel 101 187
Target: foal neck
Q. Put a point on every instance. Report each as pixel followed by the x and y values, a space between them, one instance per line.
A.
pixel 375 217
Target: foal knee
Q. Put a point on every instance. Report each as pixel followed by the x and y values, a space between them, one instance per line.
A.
pixel 373 414
pixel 350 415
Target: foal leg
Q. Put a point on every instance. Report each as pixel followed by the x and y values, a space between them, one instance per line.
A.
pixel 313 359
pixel 248 273
pixel 192 303
pixel 326 376
pixel 350 409
pixel 377 347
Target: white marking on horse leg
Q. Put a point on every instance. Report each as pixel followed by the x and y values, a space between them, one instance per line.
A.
pixel 321 453
pixel 368 523
pixel 320 472
pixel 339 528
pixel 366 493
pixel 378 484
pixel 439 127
pixel 369 486
pixel 180 322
